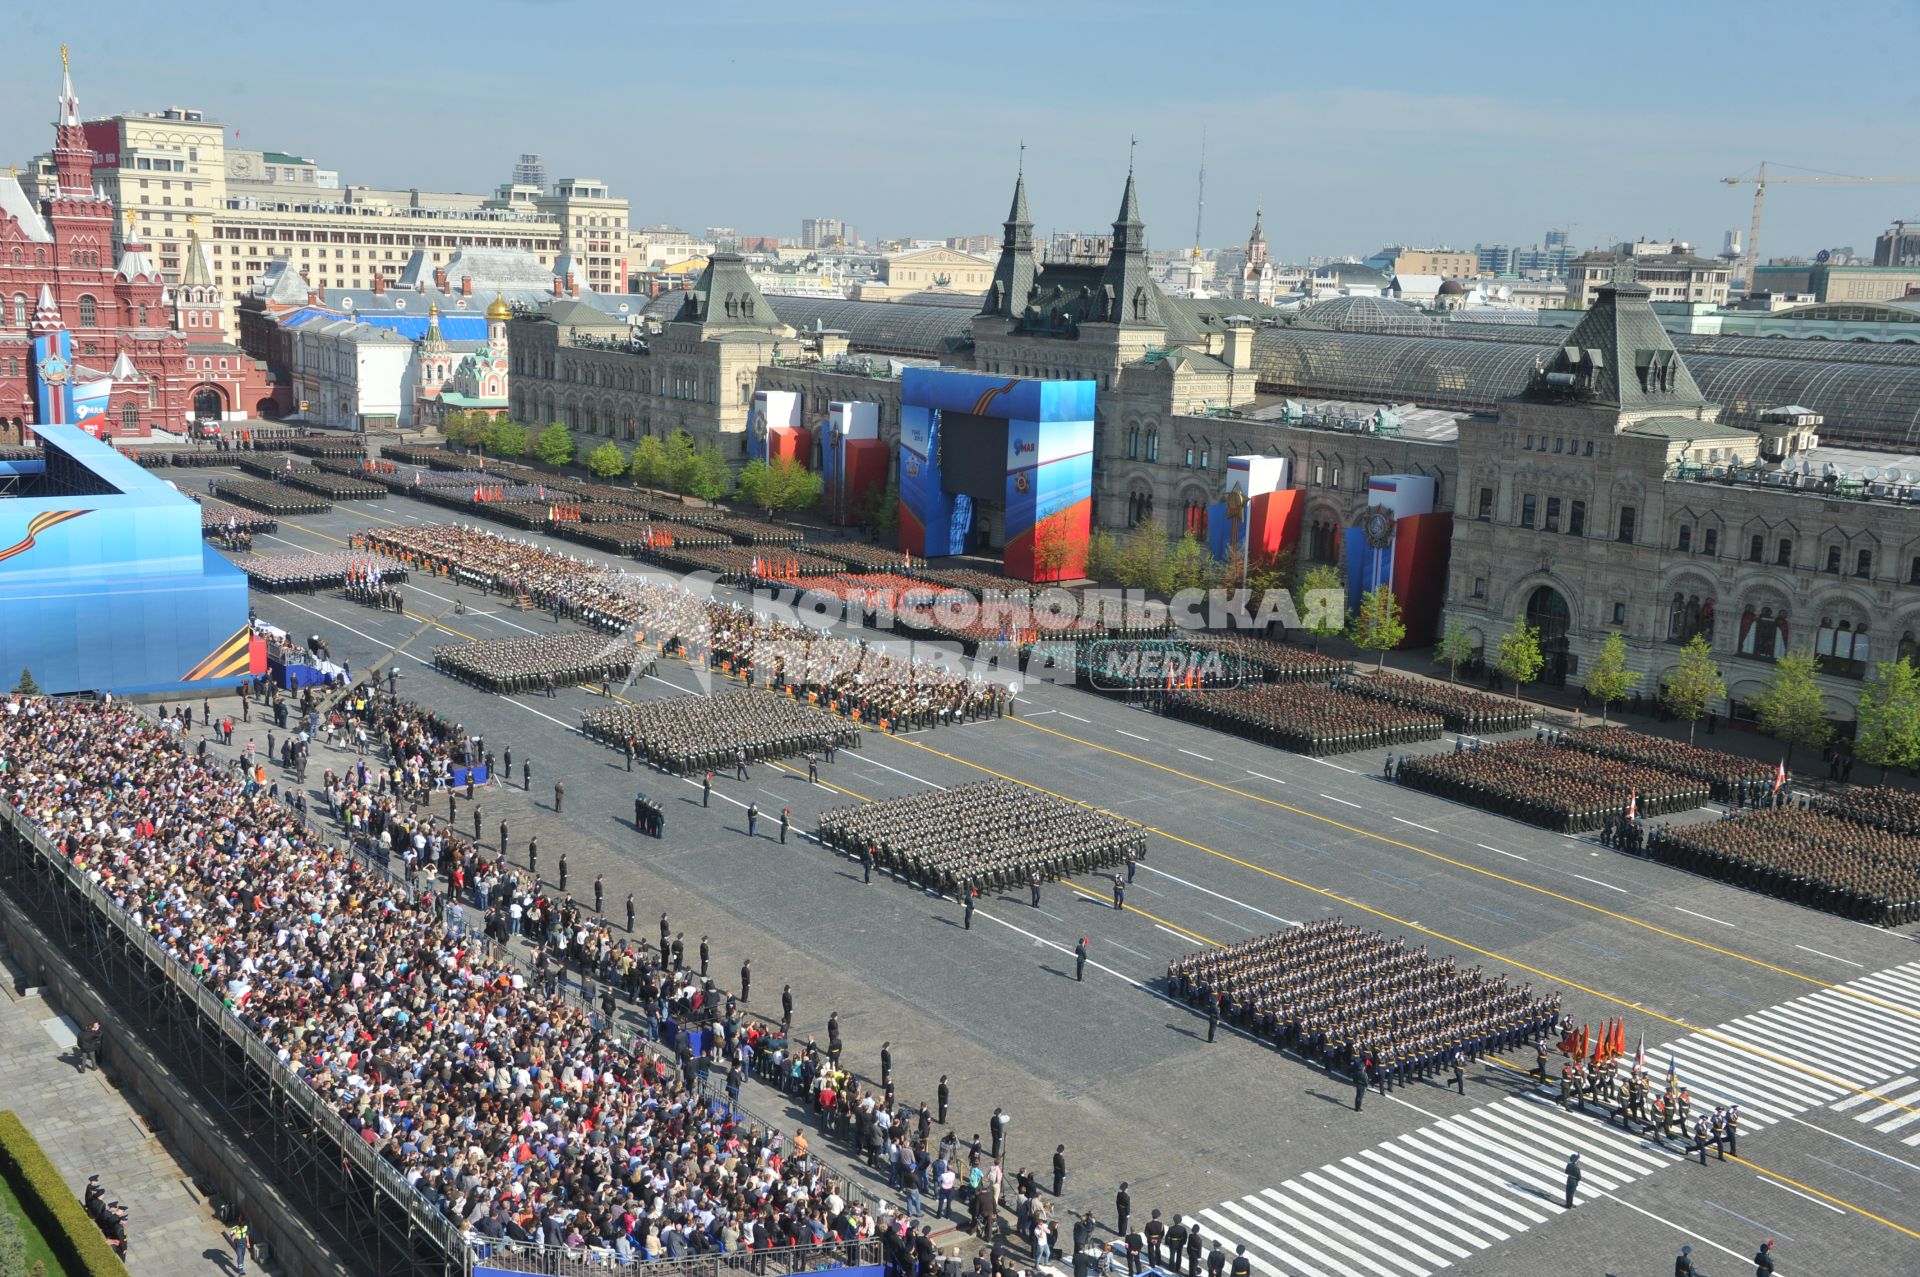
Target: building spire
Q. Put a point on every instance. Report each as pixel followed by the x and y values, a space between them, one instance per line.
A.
pixel 69 105
pixel 1013 275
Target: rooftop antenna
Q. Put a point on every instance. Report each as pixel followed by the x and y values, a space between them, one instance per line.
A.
pixel 1200 203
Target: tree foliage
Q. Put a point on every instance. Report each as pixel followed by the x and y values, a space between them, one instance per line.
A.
pixel 1608 678
pixel 1790 708
pixel 555 444
pixel 1455 646
pixel 1519 656
pixel 1103 553
pixel 607 461
pixel 1377 624
pixel 1053 544
pixel 779 486
pixel 1324 624
pixel 1142 559
pixel 1694 683
pixel 704 474
pixel 648 465
pixel 1889 718
pixel 1187 566
pixel 504 437
pixel 26 686
pixel 881 513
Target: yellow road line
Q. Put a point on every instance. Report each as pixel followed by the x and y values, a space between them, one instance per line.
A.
pixel 1481 870
pixel 1714 1034
pixel 1829 1197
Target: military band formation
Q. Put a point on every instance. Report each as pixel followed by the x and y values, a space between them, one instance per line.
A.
pixel 989 836
pixel 320 570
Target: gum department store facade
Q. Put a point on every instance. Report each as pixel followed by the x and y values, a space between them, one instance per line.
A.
pixel 1569 498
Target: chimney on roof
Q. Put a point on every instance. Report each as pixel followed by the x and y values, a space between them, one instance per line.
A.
pixel 559 289
pixel 573 281
pixel 379 283
pixel 440 278
pixel 321 292
pixel 466 285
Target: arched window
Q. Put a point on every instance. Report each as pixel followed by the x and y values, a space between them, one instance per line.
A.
pixel 1841 649
pixel 1763 635
pixel 143 316
pixel 89 311
pixel 1909 650
pixel 1833 558
pixel 1685 541
pixel 130 418
pixel 1133 444
pixel 1153 445
pixel 20 310
pixel 1689 615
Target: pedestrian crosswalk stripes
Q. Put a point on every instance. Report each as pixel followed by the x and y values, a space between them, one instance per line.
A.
pixel 1435 1197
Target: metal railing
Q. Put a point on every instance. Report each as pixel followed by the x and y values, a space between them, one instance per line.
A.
pixel 593 1261
pixel 214 1012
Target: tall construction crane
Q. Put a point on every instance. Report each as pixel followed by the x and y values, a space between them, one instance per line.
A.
pixel 1759 181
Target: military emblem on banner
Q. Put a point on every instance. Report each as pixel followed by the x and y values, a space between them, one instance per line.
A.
pixel 1378 525
pixel 1020 482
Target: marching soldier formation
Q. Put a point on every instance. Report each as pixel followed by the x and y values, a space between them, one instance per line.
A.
pixel 1277 662
pixel 550 660
pixel 1808 857
pixel 986 836
pixel 1353 1001
pixel 1747 781
pixel 1306 718
pixel 701 733
pixel 321 570
pixel 1461 708
pixel 1554 786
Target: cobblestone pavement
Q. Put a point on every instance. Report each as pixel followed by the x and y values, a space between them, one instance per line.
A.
pixel 88 1126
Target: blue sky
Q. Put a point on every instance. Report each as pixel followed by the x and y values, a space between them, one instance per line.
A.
pixel 1355 124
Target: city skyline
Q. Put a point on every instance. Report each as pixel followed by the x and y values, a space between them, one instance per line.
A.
pixel 1434 140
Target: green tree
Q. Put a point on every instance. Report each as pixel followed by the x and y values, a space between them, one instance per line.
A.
pixel 680 462
pixel 779 486
pixel 705 474
pixel 881 511
pixel 1377 624
pixel 1693 683
pixel 607 461
pixel 1327 622
pixel 1790 707
pixel 1519 656
pixel 1052 547
pixel 1102 554
pixel 504 437
pixel 1608 678
pixel 26 686
pixel 555 445
pixel 1455 646
pixel 1141 563
pixel 648 465
pixel 1889 718
pixel 1188 566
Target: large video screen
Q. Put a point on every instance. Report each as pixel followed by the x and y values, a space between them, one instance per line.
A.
pixel 973 456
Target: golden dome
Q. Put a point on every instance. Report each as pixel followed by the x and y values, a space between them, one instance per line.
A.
pixel 499 309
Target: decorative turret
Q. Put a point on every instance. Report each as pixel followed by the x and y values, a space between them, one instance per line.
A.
pixel 1127 284
pixel 1013 276
pixel 196 301
pixel 72 156
pixel 46 314
pixel 498 313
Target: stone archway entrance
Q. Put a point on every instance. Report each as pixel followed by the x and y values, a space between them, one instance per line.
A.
pixel 1547 612
pixel 208 403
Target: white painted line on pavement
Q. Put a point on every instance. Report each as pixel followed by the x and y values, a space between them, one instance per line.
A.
pixel 1797 1193
pixel 495 615
pixel 386 647
pixel 1331 798
pixel 1844 1140
pixel 1708 917
pixel 1075 717
pixel 1135 952
pixel 862 758
pixel 1039 713
pixel 1609 886
pixel 1416 824
pixel 1336 766
pixel 1849 961
pixel 1175 934
pixel 1202 757
pixel 1237 926
pixel 1263 776
pixel 1482 846
pixel 1679 1228
pixel 1218 896
pixel 1124 732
